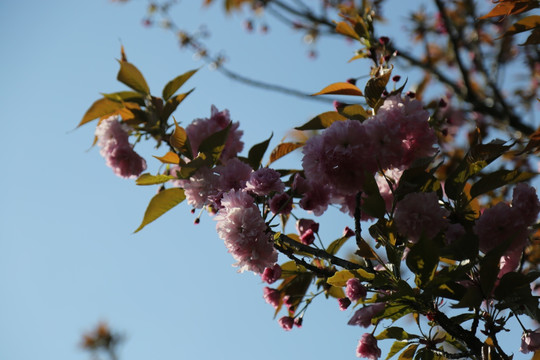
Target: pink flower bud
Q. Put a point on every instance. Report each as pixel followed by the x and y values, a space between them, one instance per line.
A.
pixel 307 237
pixel 303 225
pixel 348 232
pixel 272 296
pixel 286 323
pixel 344 303
pixel 367 347
pixel 355 290
pixel 271 274
pixel 298 321
pixel 363 316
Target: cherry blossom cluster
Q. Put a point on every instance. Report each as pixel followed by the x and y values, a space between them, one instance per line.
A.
pixel 336 162
pixel 113 139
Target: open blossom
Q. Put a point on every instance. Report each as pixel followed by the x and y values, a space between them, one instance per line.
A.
pixel 525 201
pixel 530 341
pixel 498 224
pixel 233 175
pixel 115 148
pixel 200 129
pixel 367 347
pixel 241 226
pixel 355 290
pixel 265 181
pixel 420 213
pixel 363 316
pixel 281 204
pixel 200 187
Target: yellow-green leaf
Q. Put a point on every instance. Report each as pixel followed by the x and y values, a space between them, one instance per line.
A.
pixel 132 77
pixel 161 203
pixel 175 84
pixel 169 158
pixel 376 86
pixel 148 179
pixel 179 140
pixel 172 104
pixel 282 150
pixel 256 153
pixel 346 29
pixel 408 354
pixel 340 278
pixel 340 88
pixel 100 108
pixel 353 112
pixel 322 121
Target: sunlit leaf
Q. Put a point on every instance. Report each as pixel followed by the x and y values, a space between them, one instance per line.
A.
pixel 397 346
pixel 169 158
pixel 161 203
pixel 353 112
pixel 497 179
pixel 510 7
pixel 376 86
pixel 175 84
pixel 525 24
pixel 340 278
pixel 214 144
pixel 408 354
pixel 179 140
pixel 340 88
pixel 148 179
pixel 125 96
pixel 395 332
pixel 172 104
pixel 100 108
pixel 132 77
pixel 346 29
pixel 335 245
pixel 282 150
pixel 256 153
pixel 322 121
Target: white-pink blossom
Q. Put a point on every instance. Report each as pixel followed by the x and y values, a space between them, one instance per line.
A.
pixel 201 129
pixel 241 226
pixel 265 181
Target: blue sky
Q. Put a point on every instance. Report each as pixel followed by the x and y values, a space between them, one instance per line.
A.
pixel 68 258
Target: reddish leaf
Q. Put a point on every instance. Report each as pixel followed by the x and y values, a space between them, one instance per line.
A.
pixel 169 158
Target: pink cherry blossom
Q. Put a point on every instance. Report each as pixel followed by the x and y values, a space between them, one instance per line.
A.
pixel 344 303
pixel 530 341
pixel 303 225
pixel 281 204
pixel 265 181
pixel 201 187
pixel 241 226
pixel 115 148
pixel 286 322
pixel 367 347
pixel 233 175
pixel 363 316
pixel 355 290
pixel 200 129
pixel 271 274
pixel 272 296
pixel 525 201
pixel 420 213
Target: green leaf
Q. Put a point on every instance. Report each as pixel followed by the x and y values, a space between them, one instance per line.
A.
pixel 512 282
pixel 461 318
pixel 132 77
pixel 340 277
pixel 126 96
pixel 478 157
pixel 190 168
pixel 395 332
pixel 322 121
pixel 423 259
pixel 527 23
pixel 147 179
pixel 161 203
pixel 214 144
pixel 373 204
pixel 175 84
pixel 489 266
pixel 497 179
pixel 353 112
pixel 172 104
pixel 296 287
pixel 376 86
pixel 392 311
pixel 346 29
pixel 397 346
pixel 335 245
pixel 282 150
pixel 408 354
pixel 100 108
pixel 472 299
pixel 256 153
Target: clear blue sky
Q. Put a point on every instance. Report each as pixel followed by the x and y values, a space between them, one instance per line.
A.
pixel 68 258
